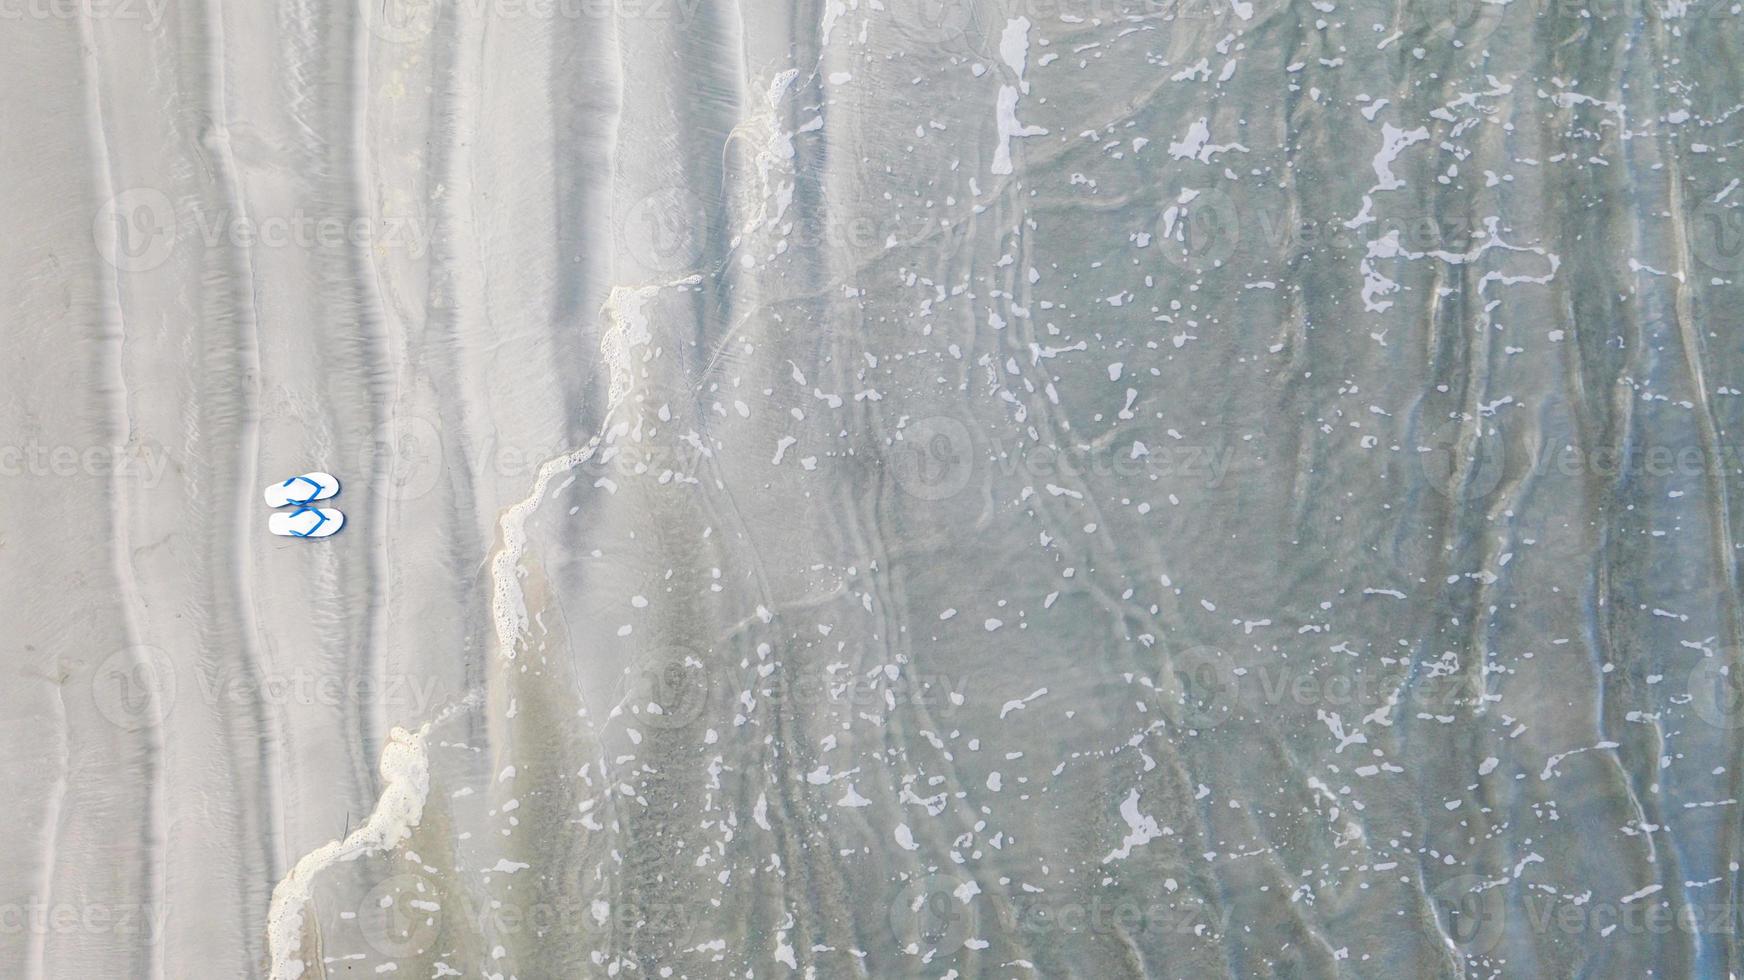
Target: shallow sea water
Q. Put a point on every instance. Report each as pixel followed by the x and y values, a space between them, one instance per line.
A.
pixel 1027 488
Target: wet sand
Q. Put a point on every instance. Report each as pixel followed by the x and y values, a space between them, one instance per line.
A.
pixel 886 490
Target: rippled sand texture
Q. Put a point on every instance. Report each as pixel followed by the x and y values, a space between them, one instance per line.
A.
pixel 1126 488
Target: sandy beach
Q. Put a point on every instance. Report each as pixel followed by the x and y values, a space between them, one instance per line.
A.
pixel 1164 488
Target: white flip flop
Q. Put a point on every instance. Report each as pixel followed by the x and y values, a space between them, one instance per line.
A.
pixel 302 489
pixel 306 522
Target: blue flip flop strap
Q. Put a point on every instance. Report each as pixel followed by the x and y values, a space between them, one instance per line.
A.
pixel 303 510
pixel 314 483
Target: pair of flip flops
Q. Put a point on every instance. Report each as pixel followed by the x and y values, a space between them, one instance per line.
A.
pixel 306 521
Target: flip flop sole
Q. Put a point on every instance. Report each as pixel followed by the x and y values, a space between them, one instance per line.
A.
pixel 302 489
pixel 309 522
